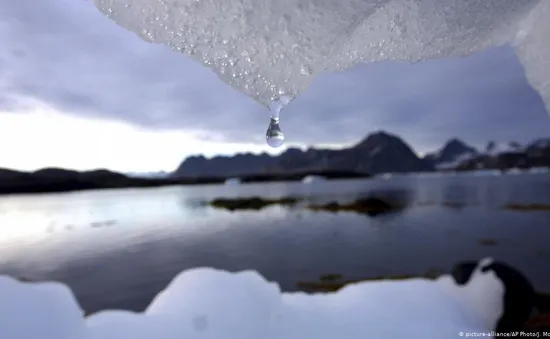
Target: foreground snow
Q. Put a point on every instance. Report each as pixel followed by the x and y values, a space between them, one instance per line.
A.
pixel 209 303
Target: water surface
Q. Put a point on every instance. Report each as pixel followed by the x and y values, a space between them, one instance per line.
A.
pixel 118 248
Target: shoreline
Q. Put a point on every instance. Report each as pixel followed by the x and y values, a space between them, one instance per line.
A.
pixel 60 181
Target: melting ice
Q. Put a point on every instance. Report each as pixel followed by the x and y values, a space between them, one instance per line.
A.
pixel 264 48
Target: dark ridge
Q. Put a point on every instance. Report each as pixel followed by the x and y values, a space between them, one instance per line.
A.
pixel 379 152
pixel 50 180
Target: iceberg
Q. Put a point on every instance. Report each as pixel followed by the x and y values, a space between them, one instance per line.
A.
pixel 232 182
pixel 215 304
pixel 313 179
pixel 272 49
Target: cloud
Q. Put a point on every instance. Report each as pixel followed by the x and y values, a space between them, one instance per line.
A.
pixel 66 54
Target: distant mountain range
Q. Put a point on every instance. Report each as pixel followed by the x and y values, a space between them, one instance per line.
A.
pixel 378 153
pixel 62 180
pixel 495 156
pixel 450 152
pixel 50 180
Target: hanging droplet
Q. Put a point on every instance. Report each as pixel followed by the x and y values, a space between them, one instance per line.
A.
pixel 274 136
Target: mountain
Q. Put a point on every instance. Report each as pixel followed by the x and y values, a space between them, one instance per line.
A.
pixel 379 152
pixel 225 166
pixel 507 156
pixel 452 151
pixel 62 180
pixel 494 148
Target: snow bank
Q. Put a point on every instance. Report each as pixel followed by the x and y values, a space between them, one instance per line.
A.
pixel 39 310
pixel 208 303
pixel 271 48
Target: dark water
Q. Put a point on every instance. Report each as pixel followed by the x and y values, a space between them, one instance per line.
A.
pixel 118 248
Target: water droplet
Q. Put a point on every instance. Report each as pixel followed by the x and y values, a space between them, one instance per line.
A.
pixel 274 136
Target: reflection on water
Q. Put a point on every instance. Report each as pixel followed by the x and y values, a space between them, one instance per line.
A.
pixel 459 195
pixel 118 248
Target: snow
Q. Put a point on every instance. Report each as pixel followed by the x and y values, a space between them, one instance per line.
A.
pixel 539 170
pixel 208 303
pixel 462 158
pixel 514 171
pixel 501 148
pixel 270 48
pixel 541 143
pixel 312 179
pixel 375 151
pixel 39 310
pixel 497 149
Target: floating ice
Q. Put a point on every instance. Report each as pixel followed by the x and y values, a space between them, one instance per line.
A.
pixel 271 48
pixel 211 304
pixel 312 179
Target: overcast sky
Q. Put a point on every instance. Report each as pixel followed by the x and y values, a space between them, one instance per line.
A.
pixel 78 91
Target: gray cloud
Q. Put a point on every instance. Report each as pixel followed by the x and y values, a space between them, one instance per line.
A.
pixel 66 54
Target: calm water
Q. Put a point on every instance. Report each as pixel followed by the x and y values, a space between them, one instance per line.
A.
pixel 118 248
